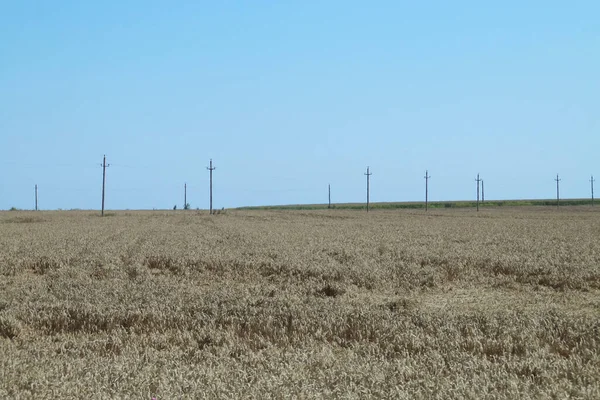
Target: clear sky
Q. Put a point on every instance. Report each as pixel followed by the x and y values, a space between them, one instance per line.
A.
pixel 287 97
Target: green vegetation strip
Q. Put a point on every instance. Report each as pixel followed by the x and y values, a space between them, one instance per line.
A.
pixel 419 205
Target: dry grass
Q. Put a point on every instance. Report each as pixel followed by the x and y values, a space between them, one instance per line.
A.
pixel 301 304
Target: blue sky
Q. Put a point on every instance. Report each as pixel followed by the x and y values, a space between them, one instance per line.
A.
pixel 288 97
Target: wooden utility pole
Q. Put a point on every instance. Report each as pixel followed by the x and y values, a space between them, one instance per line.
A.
pixel 368 174
pixel 592 182
pixel 185 196
pixel 426 188
pixel 211 169
pixel 557 191
pixel 329 205
pixel 36 199
pixel 104 165
pixel 482 193
pixel 478 180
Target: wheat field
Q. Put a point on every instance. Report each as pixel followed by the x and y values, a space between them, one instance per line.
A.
pixel 504 303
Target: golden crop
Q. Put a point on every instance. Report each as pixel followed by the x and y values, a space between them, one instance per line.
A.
pixel 504 303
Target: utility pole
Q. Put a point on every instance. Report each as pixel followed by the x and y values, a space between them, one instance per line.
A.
pixel 36 202
pixel 104 165
pixel 557 191
pixel 185 196
pixel 482 193
pixel 426 188
pixel 592 182
pixel 329 205
pixel 211 169
pixel 368 174
pixel 478 180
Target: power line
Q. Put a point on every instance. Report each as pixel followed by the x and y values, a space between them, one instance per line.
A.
pixel 211 169
pixel 132 166
pixel 482 193
pixel 592 182
pixel 368 174
pixel 104 165
pixel 427 177
pixel 478 180
pixel 46 166
pixel 557 191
